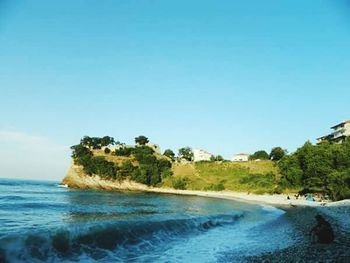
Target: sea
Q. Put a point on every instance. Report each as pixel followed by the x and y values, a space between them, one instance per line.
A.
pixel 43 222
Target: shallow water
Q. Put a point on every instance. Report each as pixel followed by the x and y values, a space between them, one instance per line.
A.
pixel 41 222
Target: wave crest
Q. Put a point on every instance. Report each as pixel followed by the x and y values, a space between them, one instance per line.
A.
pixel 96 241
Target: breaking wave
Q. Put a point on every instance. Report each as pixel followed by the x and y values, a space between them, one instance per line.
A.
pixel 97 242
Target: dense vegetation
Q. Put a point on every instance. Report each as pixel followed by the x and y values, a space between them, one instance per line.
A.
pixel 322 168
pixel 143 166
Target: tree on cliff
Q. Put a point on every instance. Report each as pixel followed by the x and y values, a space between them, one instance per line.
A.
pixel 169 153
pixel 262 155
pixel 141 140
pixel 277 154
pixel 107 140
pixel 186 153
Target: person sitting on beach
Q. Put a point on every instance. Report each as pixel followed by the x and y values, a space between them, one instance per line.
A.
pixel 322 232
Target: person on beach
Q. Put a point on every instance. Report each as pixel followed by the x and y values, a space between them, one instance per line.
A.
pixel 322 232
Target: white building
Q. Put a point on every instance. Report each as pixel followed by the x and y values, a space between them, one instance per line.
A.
pixel 340 132
pixel 241 157
pixel 201 155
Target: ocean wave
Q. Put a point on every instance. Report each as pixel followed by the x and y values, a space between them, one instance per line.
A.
pixel 98 241
pixel 10 198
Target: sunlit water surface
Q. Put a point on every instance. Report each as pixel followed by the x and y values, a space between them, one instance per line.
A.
pixel 42 222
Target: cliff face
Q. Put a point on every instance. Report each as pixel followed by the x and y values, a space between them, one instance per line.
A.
pixel 76 178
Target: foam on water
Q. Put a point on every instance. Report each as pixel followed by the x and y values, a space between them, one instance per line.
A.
pixel 40 222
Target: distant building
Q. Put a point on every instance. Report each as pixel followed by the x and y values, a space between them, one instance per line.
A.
pixel 340 132
pixel 241 157
pixel 201 155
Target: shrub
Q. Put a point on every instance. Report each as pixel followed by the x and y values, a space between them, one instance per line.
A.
pixel 166 173
pixel 180 183
pixel 215 187
pixel 125 151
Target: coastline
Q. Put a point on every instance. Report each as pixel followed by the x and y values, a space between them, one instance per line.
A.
pixel 76 179
pixel 338 211
pixel 298 212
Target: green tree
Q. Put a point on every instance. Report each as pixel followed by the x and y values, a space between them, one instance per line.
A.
pixel 86 141
pixel 107 140
pixel 186 153
pixel 141 140
pixel 322 168
pixel 277 153
pixel 219 158
pixel 262 155
pixel 79 151
pixel 216 158
pixel 169 153
pixel 96 143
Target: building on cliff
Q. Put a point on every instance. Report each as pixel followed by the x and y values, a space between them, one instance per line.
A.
pixel 201 155
pixel 241 157
pixel 340 132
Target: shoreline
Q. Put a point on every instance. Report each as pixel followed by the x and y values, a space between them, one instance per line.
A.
pixel 75 178
pixel 300 213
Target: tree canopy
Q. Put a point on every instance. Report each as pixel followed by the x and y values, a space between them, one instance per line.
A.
pixel 141 140
pixel 323 168
pixel 262 155
pixel 186 153
pixel 97 142
pixel 169 153
pixel 277 153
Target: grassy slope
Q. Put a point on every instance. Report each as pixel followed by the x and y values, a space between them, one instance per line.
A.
pixel 202 175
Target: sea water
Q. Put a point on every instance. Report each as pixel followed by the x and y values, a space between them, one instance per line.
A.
pixel 42 222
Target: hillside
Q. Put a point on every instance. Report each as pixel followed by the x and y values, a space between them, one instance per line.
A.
pixel 255 177
pixel 321 169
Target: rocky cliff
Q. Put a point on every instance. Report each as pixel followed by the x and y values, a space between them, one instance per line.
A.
pixel 76 178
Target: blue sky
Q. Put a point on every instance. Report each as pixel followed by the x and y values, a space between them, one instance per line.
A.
pixel 225 76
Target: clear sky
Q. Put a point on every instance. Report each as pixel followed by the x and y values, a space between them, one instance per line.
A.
pixel 224 76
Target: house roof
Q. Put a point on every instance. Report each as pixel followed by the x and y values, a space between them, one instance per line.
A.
pixel 340 124
pixel 246 154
